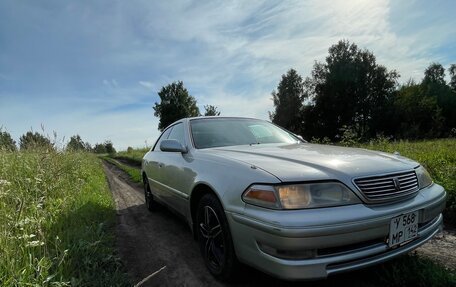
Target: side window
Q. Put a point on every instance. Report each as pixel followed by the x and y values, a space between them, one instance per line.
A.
pixel 178 133
pixel 163 136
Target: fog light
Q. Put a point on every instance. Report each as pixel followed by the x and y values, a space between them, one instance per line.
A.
pixel 288 254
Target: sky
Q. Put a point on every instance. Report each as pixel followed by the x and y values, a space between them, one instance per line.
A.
pixel 94 68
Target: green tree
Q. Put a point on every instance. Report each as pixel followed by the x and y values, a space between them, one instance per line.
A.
pixel 175 103
pixel 99 148
pixel 435 89
pixel 453 77
pixel 88 146
pixel 6 141
pixel 288 101
pixel 419 115
pixel 435 73
pixel 76 144
pixel 109 147
pixel 211 110
pixel 349 90
pixel 34 140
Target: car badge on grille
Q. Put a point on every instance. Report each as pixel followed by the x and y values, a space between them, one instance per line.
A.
pixel 397 184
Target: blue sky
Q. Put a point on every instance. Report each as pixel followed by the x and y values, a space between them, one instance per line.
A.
pixel 94 67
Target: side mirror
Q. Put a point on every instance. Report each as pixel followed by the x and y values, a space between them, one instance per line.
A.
pixel 300 138
pixel 172 146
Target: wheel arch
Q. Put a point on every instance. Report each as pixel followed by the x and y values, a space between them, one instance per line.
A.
pixel 144 176
pixel 198 192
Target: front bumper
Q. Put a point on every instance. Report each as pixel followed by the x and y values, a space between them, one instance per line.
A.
pixel 341 239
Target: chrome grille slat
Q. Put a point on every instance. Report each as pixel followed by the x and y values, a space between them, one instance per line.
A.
pixel 375 184
pixel 406 176
pixel 399 195
pixel 396 193
pixel 383 191
pixel 407 181
pixel 379 187
pixel 383 188
pixel 404 186
pixel 377 181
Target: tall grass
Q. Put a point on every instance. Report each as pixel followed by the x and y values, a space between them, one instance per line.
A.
pixel 134 155
pixel 56 221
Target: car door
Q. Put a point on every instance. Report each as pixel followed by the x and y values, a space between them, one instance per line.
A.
pixel 177 172
pixel 153 167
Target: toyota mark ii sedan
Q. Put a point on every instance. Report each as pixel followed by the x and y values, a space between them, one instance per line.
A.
pixel 255 193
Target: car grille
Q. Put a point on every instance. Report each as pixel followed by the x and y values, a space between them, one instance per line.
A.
pixel 388 187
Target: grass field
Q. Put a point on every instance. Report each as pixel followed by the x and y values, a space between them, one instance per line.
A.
pixel 56 221
pixel 134 156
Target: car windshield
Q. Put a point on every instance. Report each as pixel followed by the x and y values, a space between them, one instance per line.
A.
pixel 220 132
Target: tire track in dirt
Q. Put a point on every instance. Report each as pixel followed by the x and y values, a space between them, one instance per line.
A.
pixel 149 241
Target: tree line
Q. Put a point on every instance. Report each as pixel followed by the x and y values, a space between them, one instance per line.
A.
pixel 347 94
pixel 351 93
pixel 35 140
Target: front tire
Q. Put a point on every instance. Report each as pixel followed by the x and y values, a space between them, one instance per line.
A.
pixel 214 238
pixel 149 199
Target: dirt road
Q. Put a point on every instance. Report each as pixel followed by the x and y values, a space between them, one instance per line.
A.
pixel 158 248
pixel 150 242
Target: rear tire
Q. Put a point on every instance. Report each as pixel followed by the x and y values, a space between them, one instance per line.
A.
pixel 214 238
pixel 149 199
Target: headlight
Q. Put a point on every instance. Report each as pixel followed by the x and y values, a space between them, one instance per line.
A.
pixel 299 196
pixel 424 178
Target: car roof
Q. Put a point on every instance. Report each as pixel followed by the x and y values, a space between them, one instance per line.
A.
pixel 209 117
pixel 219 117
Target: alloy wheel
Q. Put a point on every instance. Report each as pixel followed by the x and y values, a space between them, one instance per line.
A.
pixel 212 238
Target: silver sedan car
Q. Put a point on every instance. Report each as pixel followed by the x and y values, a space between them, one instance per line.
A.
pixel 255 193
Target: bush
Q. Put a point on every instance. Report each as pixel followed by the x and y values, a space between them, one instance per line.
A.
pixel 34 140
pixel 6 142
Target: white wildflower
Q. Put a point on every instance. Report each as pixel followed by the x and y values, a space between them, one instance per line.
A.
pixel 23 222
pixel 27 236
pixel 4 182
pixel 35 243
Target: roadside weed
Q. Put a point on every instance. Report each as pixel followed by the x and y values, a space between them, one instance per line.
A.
pixel 56 221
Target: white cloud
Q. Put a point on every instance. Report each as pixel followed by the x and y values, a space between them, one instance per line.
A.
pixel 146 84
pixel 112 84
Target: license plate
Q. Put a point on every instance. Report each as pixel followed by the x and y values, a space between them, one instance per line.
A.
pixel 403 228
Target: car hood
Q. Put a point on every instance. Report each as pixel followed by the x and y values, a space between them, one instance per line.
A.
pixel 298 162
